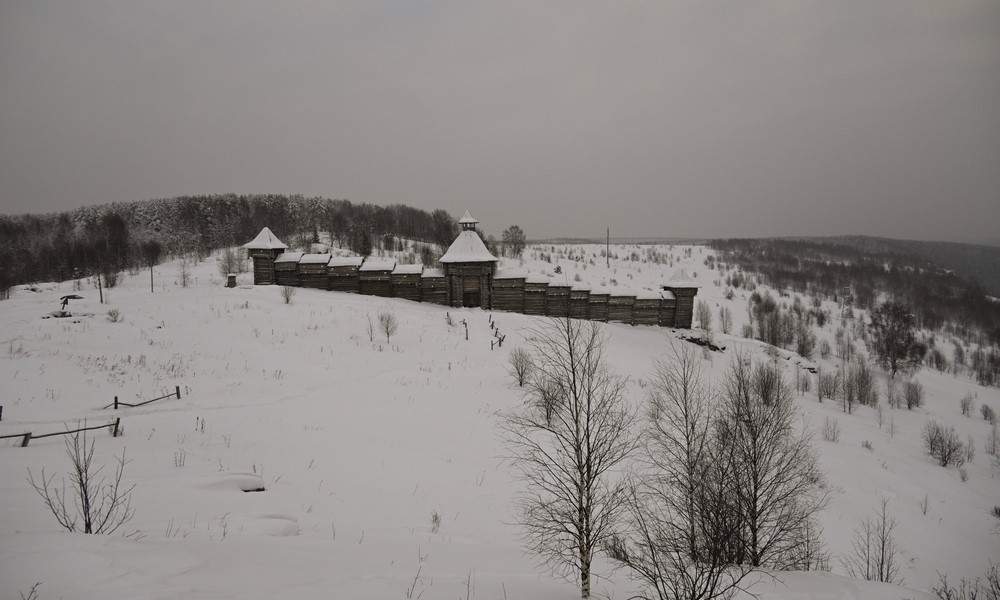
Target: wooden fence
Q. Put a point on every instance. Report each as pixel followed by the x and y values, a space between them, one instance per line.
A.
pixel 115 427
pixel 176 394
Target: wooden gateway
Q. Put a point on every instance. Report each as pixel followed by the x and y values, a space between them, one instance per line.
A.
pixel 469 267
pixel 684 289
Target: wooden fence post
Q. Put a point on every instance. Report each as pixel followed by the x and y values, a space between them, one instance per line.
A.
pixel 177 389
pixel 27 438
pixel 1 412
pixel 115 432
pixel 116 402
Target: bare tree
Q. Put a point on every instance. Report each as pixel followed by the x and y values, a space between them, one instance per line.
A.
pixel 704 314
pixel 184 272
pixel 514 240
pixel 229 262
pixel 943 444
pixel 572 497
pixel 681 525
pixel 778 481
pixel 521 365
pixel 894 338
pixel 287 293
pixel 387 324
pixel 725 320
pixel 92 504
pixel 874 549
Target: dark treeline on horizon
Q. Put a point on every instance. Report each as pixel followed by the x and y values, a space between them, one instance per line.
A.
pixel 940 299
pixel 111 238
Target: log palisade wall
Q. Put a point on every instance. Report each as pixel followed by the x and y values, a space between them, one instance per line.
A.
pixel 530 295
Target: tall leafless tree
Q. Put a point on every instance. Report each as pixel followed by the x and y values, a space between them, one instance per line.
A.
pixel 874 549
pixel 573 495
pixel 681 522
pixel 520 365
pixel 388 324
pixel 778 493
pixel 91 504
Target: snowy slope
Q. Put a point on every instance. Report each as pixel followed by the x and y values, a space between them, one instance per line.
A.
pixel 359 442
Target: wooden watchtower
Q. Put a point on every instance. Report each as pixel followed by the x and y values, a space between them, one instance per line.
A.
pixel 263 250
pixel 469 267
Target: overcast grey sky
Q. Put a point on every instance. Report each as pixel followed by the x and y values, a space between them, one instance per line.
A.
pixel 656 118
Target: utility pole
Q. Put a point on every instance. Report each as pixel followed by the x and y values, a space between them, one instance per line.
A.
pixel 607 251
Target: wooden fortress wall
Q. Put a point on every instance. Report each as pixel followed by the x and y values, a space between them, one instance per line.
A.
pixel 674 307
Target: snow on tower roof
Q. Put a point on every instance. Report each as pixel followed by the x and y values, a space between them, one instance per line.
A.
pixel 681 279
pixel 467 218
pixel 468 247
pixel 265 240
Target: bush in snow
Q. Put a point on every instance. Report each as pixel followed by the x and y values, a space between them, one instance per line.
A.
pixel 967 405
pixel 521 365
pixel 115 315
pixel 287 293
pixel 387 324
pixel 987 412
pixel 943 444
pixel 828 386
pixel 831 429
pixel 913 394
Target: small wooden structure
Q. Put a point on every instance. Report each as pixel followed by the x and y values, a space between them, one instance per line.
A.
pixel 508 291
pixel 685 289
pixel 286 268
pixel 376 277
pixel 263 249
pixel 469 267
pixel 668 309
pixel 434 287
pixel 342 272
pixel 406 282
pixel 312 271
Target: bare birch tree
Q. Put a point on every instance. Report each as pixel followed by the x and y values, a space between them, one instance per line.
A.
pixel 681 523
pixel 778 493
pixel 569 459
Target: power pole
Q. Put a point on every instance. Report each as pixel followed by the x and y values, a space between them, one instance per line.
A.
pixel 607 251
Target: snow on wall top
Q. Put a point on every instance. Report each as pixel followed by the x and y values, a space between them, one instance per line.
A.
pixel 432 273
pixel 468 248
pixel 345 261
pixel 536 278
pixel 408 269
pixel 265 240
pixel 681 279
pixel 509 274
pixel 285 257
pixel 580 287
pixel 647 295
pixel 314 259
pixel 378 265
pixel 668 295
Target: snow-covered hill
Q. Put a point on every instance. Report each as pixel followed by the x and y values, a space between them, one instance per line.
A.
pixel 358 442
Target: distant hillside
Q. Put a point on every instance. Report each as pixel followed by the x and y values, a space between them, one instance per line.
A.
pixel 969 261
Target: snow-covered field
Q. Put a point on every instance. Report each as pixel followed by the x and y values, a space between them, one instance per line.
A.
pixel 358 443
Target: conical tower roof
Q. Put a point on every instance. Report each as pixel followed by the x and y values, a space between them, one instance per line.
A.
pixel 265 240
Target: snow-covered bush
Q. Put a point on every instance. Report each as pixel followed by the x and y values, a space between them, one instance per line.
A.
pixel 943 444
pixel 913 394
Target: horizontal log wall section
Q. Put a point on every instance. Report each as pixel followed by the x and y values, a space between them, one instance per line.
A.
pixel 344 279
pixel 508 294
pixel 557 301
pixel 434 290
pixel 376 283
pixel 620 309
pixel 579 304
pixel 597 306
